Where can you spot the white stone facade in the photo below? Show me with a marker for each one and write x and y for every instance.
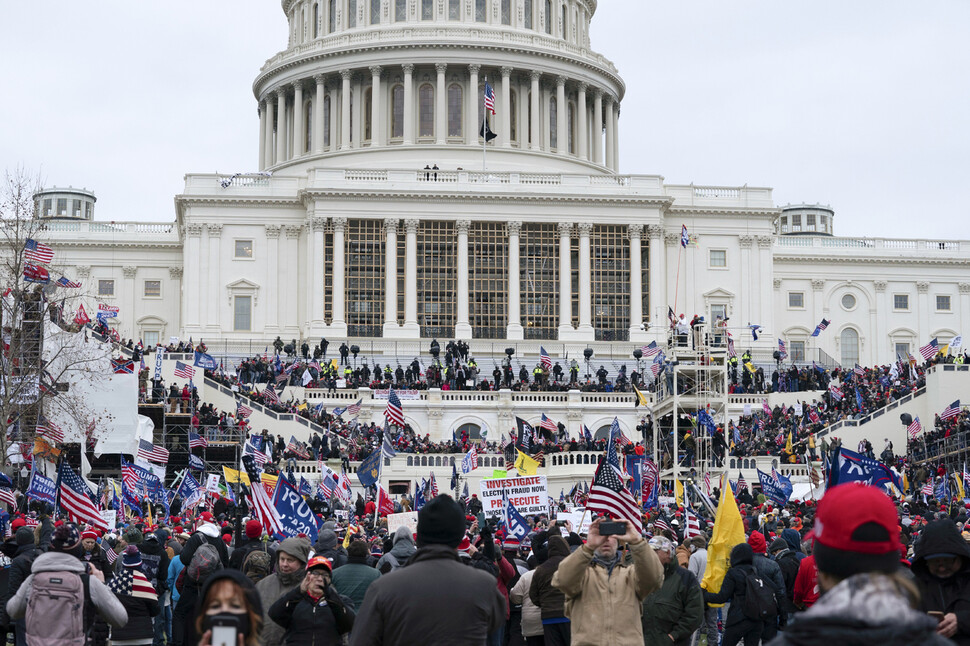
(347, 234)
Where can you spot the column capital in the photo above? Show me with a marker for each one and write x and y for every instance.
(507, 71)
(441, 68)
(129, 271)
(215, 230)
(922, 286)
(375, 70)
(346, 75)
(390, 224)
(582, 86)
(655, 231)
(535, 75)
(561, 81)
(321, 79)
(298, 86)
(777, 283)
(513, 228)
(585, 228)
(880, 285)
(671, 238)
(293, 230)
(634, 231)
(280, 92)
(819, 283)
(318, 223)
(765, 242)
(83, 271)
(339, 223)
(463, 226)
(193, 230)
(745, 241)
(273, 230)
(408, 68)
(598, 93)
(964, 288)
(175, 273)
(565, 229)
(411, 225)
(474, 68)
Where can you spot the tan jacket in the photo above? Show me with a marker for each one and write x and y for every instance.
(603, 608)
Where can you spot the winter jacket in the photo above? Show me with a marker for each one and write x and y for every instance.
(154, 563)
(239, 554)
(953, 593)
(698, 563)
(140, 612)
(865, 609)
(733, 588)
(467, 606)
(531, 615)
(207, 533)
(794, 540)
(603, 605)
(403, 550)
(316, 622)
(788, 564)
(277, 584)
(771, 573)
(676, 609)
(326, 545)
(104, 601)
(20, 568)
(806, 583)
(549, 598)
(353, 579)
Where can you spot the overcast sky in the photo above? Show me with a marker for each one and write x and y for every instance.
(861, 105)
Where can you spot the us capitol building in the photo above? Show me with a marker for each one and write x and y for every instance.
(378, 215)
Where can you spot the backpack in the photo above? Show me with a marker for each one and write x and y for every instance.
(256, 565)
(759, 599)
(59, 609)
(204, 562)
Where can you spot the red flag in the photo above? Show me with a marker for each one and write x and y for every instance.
(384, 503)
(81, 318)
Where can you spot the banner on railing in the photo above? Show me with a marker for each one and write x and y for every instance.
(402, 394)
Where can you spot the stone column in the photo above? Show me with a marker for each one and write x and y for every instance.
(273, 285)
(441, 106)
(585, 279)
(634, 232)
(536, 138)
(463, 328)
(345, 76)
(280, 125)
(922, 307)
(319, 226)
(505, 136)
(193, 255)
(408, 103)
(128, 299)
(268, 145)
(290, 280)
(562, 113)
(375, 106)
(598, 127)
(318, 124)
(616, 137)
(565, 279)
(338, 324)
(657, 300)
(472, 124)
(766, 273)
(334, 124)
(609, 134)
(746, 311)
(515, 330)
(213, 278)
(175, 275)
(582, 129)
(357, 120)
(390, 277)
(261, 160)
(298, 136)
(411, 327)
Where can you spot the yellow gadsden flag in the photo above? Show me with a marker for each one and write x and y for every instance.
(728, 532)
(233, 476)
(679, 493)
(639, 398)
(525, 465)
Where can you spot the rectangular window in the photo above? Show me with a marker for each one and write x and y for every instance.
(150, 338)
(375, 12)
(427, 9)
(900, 301)
(242, 313)
(942, 303)
(61, 206)
(718, 258)
(481, 13)
(528, 14)
(47, 206)
(506, 12)
(796, 300)
(77, 208)
(902, 351)
(244, 249)
(400, 10)
(797, 351)
(454, 9)
(153, 288)
(718, 310)
(106, 287)
(87, 211)
(351, 13)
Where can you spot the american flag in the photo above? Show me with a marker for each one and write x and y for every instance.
(110, 555)
(354, 409)
(257, 455)
(914, 428)
(951, 411)
(326, 488)
(38, 252)
(927, 489)
(731, 351)
(394, 412)
(269, 394)
(433, 486)
(70, 284)
(742, 483)
(782, 350)
(489, 98)
(624, 440)
(930, 349)
(184, 371)
(544, 358)
(297, 447)
(661, 524)
(259, 500)
(548, 424)
(607, 494)
(7, 496)
(50, 431)
(77, 500)
(657, 365)
(242, 410)
(651, 349)
(148, 451)
(196, 441)
(707, 480)
(858, 370)
(693, 524)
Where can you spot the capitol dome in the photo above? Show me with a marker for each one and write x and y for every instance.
(367, 84)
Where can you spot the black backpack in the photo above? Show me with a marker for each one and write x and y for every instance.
(759, 599)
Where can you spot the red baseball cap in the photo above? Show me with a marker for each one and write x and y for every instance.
(856, 531)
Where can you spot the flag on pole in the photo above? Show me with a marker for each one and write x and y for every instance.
(243, 411)
(914, 428)
(489, 98)
(951, 411)
(544, 358)
(38, 252)
(728, 532)
(184, 370)
(930, 349)
(394, 413)
(470, 461)
(152, 453)
(75, 498)
(607, 493)
(259, 501)
(821, 326)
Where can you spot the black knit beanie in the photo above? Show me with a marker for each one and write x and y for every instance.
(441, 522)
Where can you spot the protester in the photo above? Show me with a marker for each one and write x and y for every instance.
(291, 559)
(139, 598)
(941, 565)
(548, 597)
(586, 577)
(254, 541)
(402, 550)
(353, 579)
(229, 598)
(531, 622)
(314, 612)
(733, 590)
(676, 610)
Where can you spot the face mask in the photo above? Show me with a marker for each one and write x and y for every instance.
(242, 618)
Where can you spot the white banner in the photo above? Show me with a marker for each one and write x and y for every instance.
(159, 355)
(212, 482)
(403, 395)
(408, 519)
(110, 517)
(529, 495)
(580, 520)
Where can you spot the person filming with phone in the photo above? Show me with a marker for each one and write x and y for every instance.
(603, 590)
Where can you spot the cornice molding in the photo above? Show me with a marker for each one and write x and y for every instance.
(876, 260)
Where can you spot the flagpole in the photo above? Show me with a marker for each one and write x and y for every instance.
(680, 248)
(484, 129)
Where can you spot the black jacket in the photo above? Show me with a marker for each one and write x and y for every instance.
(734, 586)
(953, 593)
(317, 623)
(188, 551)
(239, 554)
(140, 612)
(788, 563)
(550, 599)
(20, 568)
(155, 562)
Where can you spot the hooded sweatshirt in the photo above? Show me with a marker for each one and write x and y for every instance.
(326, 545)
(402, 550)
(951, 594)
(278, 584)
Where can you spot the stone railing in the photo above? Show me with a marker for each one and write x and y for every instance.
(915, 246)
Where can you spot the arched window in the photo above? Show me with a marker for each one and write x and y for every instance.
(548, 25)
(474, 431)
(602, 433)
(316, 19)
(368, 111)
(427, 9)
(850, 347)
(565, 26)
(454, 110)
(481, 11)
(397, 111)
(528, 15)
(506, 12)
(513, 116)
(307, 127)
(351, 13)
(410, 461)
(571, 127)
(326, 121)
(331, 16)
(553, 123)
(426, 110)
(375, 12)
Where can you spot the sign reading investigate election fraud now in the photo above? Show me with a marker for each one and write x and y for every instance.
(528, 495)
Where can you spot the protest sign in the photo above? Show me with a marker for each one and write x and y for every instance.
(529, 495)
(110, 517)
(408, 519)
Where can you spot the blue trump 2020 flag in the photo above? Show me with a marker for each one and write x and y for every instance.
(517, 525)
(855, 467)
(204, 361)
(295, 515)
(41, 488)
(777, 490)
(370, 468)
